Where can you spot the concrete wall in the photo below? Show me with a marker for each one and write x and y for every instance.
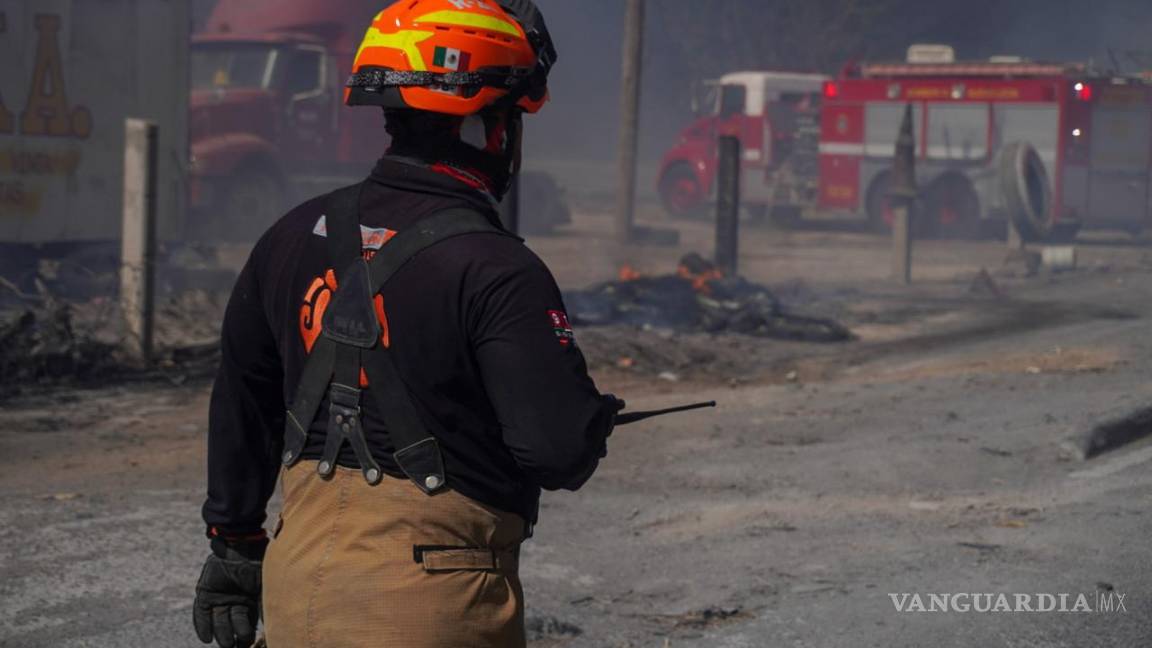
(72, 71)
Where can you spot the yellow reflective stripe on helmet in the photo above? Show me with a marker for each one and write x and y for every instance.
(464, 19)
(405, 41)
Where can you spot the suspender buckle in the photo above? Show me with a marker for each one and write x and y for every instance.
(344, 423)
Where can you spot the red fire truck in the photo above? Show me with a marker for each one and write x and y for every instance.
(776, 116)
(1053, 147)
(265, 120)
(268, 123)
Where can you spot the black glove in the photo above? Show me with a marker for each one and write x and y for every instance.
(613, 406)
(227, 606)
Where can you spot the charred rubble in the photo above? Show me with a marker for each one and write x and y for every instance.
(698, 298)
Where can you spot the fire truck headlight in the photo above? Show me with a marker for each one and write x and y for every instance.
(1076, 132)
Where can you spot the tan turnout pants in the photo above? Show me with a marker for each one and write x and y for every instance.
(342, 569)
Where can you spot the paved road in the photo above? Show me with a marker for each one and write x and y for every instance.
(786, 518)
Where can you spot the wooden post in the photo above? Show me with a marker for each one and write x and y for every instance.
(728, 204)
(901, 244)
(138, 242)
(629, 117)
(902, 196)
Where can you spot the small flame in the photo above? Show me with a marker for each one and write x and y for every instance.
(700, 280)
(628, 273)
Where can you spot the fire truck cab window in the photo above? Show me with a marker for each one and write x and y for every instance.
(957, 132)
(732, 100)
(231, 66)
(301, 72)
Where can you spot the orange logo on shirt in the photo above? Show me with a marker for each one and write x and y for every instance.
(316, 301)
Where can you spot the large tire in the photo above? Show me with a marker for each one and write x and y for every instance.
(253, 199)
(681, 192)
(543, 206)
(1026, 190)
(952, 207)
(877, 206)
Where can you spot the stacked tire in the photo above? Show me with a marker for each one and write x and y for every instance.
(1026, 191)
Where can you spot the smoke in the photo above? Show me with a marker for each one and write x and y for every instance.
(689, 41)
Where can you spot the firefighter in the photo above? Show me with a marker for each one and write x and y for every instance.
(402, 365)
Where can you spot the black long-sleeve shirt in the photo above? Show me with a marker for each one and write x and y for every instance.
(480, 338)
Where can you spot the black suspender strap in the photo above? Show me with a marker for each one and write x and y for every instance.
(417, 452)
(333, 368)
(350, 325)
(350, 341)
(429, 231)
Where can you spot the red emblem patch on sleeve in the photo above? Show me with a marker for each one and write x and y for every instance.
(561, 327)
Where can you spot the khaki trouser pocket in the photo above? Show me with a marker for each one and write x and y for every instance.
(440, 559)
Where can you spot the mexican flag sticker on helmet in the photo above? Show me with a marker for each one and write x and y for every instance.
(453, 59)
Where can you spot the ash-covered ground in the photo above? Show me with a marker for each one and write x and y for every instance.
(940, 451)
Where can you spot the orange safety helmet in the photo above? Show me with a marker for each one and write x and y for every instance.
(454, 57)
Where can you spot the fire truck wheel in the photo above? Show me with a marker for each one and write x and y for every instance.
(1026, 190)
(952, 208)
(253, 199)
(877, 207)
(756, 214)
(786, 216)
(543, 206)
(681, 193)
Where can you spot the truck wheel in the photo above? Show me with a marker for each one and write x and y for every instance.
(881, 216)
(1026, 190)
(681, 193)
(252, 201)
(952, 207)
(877, 206)
(786, 216)
(543, 206)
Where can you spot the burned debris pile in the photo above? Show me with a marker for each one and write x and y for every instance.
(699, 298)
(45, 340)
(41, 344)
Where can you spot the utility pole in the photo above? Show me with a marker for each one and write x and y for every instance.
(629, 117)
(728, 205)
(903, 198)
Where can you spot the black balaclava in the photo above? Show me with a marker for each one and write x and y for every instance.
(437, 140)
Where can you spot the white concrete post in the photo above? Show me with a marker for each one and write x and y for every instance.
(138, 241)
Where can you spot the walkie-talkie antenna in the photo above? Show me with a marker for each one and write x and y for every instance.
(627, 418)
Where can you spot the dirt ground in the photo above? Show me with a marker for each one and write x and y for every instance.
(940, 452)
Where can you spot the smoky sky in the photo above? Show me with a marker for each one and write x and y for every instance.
(582, 119)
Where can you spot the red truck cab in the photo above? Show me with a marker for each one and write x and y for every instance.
(776, 117)
(267, 126)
